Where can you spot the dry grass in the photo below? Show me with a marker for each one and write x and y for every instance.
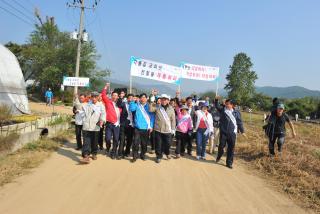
(297, 170)
(28, 157)
(6, 142)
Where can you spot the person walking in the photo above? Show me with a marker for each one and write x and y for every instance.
(192, 112)
(204, 129)
(113, 121)
(78, 104)
(93, 115)
(126, 127)
(143, 123)
(183, 130)
(48, 95)
(276, 129)
(230, 123)
(165, 124)
(100, 138)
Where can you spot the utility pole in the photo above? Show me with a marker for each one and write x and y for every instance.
(81, 38)
(79, 45)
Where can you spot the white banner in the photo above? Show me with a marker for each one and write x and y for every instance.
(154, 70)
(199, 72)
(76, 81)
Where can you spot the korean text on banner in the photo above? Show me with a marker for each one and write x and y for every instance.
(154, 70)
(76, 81)
(199, 72)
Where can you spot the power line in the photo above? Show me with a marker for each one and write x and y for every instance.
(19, 11)
(21, 19)
(22, 6)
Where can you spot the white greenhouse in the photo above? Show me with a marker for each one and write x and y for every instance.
(12, 85)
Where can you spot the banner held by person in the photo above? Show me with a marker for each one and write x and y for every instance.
(199, 72)
(154, 70)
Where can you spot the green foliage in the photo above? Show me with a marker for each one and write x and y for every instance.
(50, 54)
(260, 101)
(241, 79)
(307, 106)
(59, 120)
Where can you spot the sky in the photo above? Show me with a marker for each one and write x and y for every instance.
(282, 38)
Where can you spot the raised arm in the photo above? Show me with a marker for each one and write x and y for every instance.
(104, 96)
(217, 104)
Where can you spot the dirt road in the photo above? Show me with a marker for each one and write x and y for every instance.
(60, 185)
(43, 109)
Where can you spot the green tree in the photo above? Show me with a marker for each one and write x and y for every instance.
(50, 54)
(260, 101)
(241, 79)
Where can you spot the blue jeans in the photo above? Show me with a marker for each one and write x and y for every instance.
(202, 141)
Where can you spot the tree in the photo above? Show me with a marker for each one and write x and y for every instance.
(241, 79)
(260, 101)
(50, 54)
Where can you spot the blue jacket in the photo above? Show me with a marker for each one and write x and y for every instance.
(226, 125)
(139, 121)
(48, 94)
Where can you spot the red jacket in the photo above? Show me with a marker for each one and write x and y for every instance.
(111, 112)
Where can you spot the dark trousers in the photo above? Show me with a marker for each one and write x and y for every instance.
(279, 138)
(182, 139)
(152, 139)
(202, 141)
(112, 132)
(100, 139)
(90, 143)
(230, 140)
(162, 144)
(141, 138)
(126, 137)
(78, 136)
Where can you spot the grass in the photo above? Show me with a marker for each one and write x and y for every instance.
(30, 156)
(59, 120)
(6, 142)
(297, 170)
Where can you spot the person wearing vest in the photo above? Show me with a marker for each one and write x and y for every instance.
(126, 127)
(165, 124)
(277, 129)
(153, 98)
(230, 124)
(204, 129)
(93, 117)
(113, 121)
(78, 118)
(143, 123)
(183, 130)
(100, 138)
(192, 112)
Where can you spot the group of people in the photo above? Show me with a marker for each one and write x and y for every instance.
(131, 122)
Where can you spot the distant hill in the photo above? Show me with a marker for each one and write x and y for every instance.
(288, 92)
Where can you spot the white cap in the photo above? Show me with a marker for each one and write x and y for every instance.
(165, 96)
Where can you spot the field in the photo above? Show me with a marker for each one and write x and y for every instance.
(296, 170)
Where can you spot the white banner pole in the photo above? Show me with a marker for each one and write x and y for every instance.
(217, 87)
(130, 82)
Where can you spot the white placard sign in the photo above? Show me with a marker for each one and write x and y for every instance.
(199, 72)
(76, 81)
